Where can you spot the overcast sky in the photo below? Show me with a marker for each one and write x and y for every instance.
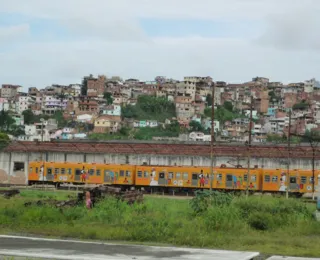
(44, 42)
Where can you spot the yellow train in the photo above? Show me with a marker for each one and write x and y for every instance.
(177, 178)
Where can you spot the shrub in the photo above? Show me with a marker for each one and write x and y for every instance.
(207, 198)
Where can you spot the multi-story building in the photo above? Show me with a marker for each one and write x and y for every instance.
(24, 103)
(96, 86)
(51, 104)
(10, 91)
(107, 124)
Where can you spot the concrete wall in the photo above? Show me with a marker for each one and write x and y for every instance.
(8, 160)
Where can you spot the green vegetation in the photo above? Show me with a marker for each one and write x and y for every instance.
(223, 113)
(150, 108)
(283, 139)
(8, 124)
(122, 135)
(196, 126)
(146, 133)
(4, 140)
(302, 105)
(30, 118)
(108, 97)
(265, 224)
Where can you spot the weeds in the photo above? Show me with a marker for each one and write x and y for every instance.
(269, 225)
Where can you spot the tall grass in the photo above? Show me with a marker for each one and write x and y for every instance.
(264, 224)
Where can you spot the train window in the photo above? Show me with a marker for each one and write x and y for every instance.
(69, 171)
(37, 169)
(178, 175)
(170, 176)
(253, 178)
(293, 180)
(30, 170)
(78, 172)
(121, 173)
(98, 172)
(303, 180)
(267, 178)
(63, 170)
(245, 177)
(91, 172)
(139, 174)
(146, 174)
(56, 170)
(219, 177)
(185, 176)
(311, 180)
(106, 173)
(128, 173)
(274, 178)
(49, 171)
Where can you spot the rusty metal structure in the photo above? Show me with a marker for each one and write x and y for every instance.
(157, 148)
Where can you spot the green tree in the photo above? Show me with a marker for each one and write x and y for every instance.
(6, 121)
(228, 105)
(196, 126)
(29, 117)
(58, 116)
(209, 100)
(108, 97)
(4, 140)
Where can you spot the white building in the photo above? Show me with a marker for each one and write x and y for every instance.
(199, 136)
(4, 104)
(23, 104)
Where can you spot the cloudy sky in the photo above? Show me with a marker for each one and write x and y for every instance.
(44, 42)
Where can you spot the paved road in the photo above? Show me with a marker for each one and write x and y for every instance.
(74, 250)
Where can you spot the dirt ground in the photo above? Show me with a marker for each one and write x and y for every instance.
(18, 177)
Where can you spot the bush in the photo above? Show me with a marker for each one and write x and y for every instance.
(204, 199)
(260, 221)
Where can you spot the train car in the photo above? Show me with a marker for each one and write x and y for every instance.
(173, 177)
(299, 181)
(237, 179)
(113, 174)
(35, 172)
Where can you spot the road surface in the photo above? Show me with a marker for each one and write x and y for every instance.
(70, 249)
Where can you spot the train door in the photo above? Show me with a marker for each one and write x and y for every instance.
(194, 181)
(49, 174)
(77, 175)
(162, 178)
(293, 183)
(229, 181)
(106, 176)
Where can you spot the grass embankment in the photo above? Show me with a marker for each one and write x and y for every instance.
(264, 224)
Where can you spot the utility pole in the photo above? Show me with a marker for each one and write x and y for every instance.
(212, 135)
(249, 146)
(288, 162)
